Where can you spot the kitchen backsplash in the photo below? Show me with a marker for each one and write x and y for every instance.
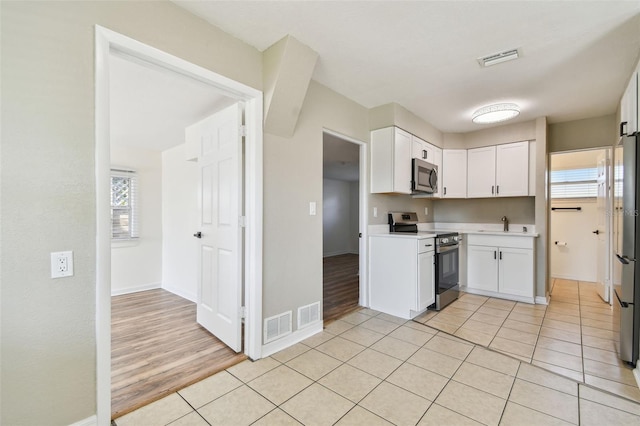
(386, 203)
(484, 210)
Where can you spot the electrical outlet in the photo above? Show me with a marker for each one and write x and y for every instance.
(375, 212)
(426, 211)
(312, 208)
(61, 264)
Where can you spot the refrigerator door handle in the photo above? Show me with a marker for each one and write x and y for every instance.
(622, 304)
(624, 259)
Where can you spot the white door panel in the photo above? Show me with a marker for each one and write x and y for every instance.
(220, 254)
(602, 230)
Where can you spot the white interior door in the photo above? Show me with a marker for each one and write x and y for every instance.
(220, 234)
(602, 229)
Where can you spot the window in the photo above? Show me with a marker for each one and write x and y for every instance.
(124, 205)
(574, 183)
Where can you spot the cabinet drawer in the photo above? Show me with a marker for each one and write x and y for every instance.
(500, 241)
(425, 245)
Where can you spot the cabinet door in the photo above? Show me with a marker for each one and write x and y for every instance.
(481, 172)
(437, 160)
(515, 273)
(512, 169)
(422, 149)
(482, 267)
(426, 281)
(629, 107)
(402, 162)
(453, 176)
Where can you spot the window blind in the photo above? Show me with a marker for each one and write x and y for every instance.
(124, 204)
(574, 183)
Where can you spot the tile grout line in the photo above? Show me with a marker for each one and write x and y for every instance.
(194, 410)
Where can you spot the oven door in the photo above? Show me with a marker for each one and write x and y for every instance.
(447, 268)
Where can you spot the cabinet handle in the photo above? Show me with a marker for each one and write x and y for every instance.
(497, 189)
(623, 131)
(425, 154)
(445, 190)
(492, 189)
(494, 254)
(428, 245)
(500, 255)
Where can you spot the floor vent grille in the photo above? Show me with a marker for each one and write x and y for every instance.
(277, 326)
(308, 315)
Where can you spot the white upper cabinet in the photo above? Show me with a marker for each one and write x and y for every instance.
(481, 172)
(422, 150)
(629, 107)
(501, 171)
(512, 169)
(437, 160)
(390, 161)
(453, 177)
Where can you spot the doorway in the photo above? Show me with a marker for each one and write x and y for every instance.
(108, 42)
(342, 212)
(158, 346)
(581, 224)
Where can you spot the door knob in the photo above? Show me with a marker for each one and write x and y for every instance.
(198, 234)
(597, 232)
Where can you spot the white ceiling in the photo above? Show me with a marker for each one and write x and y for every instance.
(151, 106)
(576, 55)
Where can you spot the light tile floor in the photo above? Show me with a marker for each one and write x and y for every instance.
(575, 336)
(373, 369)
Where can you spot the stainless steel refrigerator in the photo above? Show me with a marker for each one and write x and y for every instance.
(627, 245)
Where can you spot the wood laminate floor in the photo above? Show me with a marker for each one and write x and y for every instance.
(157, 348)
(341, 286)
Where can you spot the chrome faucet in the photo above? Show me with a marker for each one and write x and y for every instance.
(506, 223)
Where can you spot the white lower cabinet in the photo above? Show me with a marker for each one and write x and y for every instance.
(501, 266)
(426, 284)
(401, 275)
(482, 268)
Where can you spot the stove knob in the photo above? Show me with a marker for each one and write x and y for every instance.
(444, 240)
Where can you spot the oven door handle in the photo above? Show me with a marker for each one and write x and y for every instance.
(446, 249)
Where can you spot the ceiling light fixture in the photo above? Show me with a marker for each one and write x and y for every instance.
(495, 113)
(498, 58)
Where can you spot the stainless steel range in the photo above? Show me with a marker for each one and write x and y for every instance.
(447, 259)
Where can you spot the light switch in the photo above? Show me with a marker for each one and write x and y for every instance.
(426, 211)
(312, 208)
(375, 212)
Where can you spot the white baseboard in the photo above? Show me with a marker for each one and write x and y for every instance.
(542, 300)
(572, 277)
(291, 339)
(136, 289)
(497, 295)
(192, 297)
(89, 421)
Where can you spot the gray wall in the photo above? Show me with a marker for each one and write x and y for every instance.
(292, 178)
(339, 206)
(47, 75)
(580, 134)
(396, 115)
(486, 210)
(397, 202)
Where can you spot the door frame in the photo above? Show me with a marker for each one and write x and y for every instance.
(105, 41)
(362, 214)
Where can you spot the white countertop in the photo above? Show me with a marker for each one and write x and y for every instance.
(425, 230)
(416, 236)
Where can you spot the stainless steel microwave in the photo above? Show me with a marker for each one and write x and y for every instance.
(424, 177)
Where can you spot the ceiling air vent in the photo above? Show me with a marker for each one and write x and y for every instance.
(497, 58)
